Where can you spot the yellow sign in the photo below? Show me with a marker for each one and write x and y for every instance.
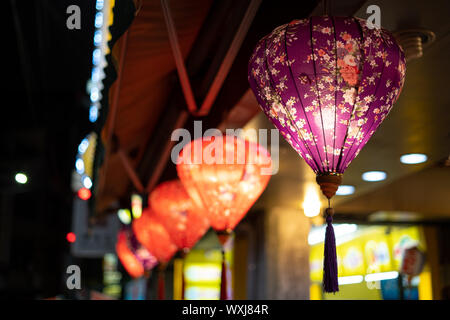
(371, 250)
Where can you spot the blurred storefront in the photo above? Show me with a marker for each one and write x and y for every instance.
(369, 263)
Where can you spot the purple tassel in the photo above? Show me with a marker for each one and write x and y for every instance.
(330, 270)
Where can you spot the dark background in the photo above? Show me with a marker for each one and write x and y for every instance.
(44, 116)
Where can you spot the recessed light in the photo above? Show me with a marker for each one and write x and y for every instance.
(374, 176)
(413, 158)
(345, 190)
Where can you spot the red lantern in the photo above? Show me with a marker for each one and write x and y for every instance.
(151, 233)
(185, 222)
(127, 258)
(226, 178)
(153, 236)
(135, 258)
(225, 175)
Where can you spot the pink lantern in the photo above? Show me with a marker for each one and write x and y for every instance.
(327, 83)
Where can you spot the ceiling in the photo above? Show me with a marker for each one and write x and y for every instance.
(150, 103)
(146, 82)
(419, 121)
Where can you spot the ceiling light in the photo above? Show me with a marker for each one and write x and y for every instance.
(374, 176)
(311, 204)
(413, 158)
(345, 190)
(21, 178)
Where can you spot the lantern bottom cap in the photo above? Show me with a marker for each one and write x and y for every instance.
(329, 183)
(224, 236)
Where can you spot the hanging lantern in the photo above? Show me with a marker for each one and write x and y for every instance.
(228, 180)
(327, 83)
(153, 236)
(225, 175)
(151, 233)
(136, 259)
(185, 222)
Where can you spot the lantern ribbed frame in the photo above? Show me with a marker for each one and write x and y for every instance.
(152, 234)
(185, 222)
(228, 186)
(327, 83)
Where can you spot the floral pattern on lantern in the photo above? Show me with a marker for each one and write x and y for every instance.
(185, 222)
(135, 258)
(151, 233)
(327, 83)
(228, 179)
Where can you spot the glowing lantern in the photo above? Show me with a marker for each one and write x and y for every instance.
(327, 83)
(184, 222)
(135, 258)
(151, 233)
(231, 177)
(225, 175)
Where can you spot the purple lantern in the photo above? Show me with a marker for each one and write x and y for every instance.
(135, 258)
(327, 83)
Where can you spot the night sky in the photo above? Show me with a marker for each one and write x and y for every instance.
(44, 117)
